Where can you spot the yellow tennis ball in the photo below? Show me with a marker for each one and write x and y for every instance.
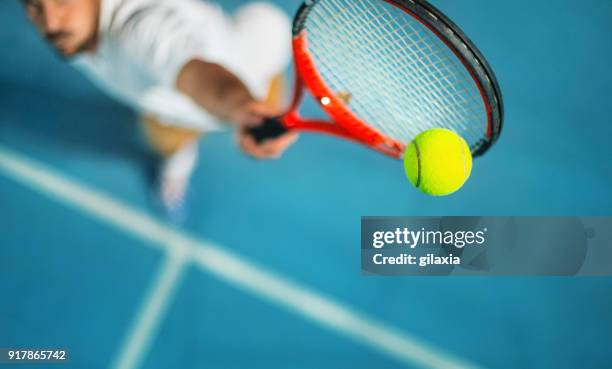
(438, 162)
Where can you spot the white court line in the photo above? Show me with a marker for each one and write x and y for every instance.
(228, 267)
(151, 313)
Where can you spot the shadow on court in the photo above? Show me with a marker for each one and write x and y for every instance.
(96, 128)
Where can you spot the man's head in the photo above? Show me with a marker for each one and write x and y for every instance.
(70, 26)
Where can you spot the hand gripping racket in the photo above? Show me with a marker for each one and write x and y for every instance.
(385, 71)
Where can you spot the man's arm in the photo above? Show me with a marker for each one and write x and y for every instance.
(222, 94)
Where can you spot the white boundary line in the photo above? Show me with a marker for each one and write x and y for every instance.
(151, 314)
(225, 266)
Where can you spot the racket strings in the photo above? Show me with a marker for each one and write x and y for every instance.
(424, 84)
(436, 69)
(361, 84)
(416, 88)
(402, 78)
(389, 43)
(417, 95)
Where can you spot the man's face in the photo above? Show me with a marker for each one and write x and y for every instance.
(70, 26)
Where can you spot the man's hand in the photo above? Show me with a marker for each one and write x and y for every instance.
(222, 94)
(252, 115)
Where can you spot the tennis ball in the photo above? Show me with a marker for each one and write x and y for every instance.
(438, 162)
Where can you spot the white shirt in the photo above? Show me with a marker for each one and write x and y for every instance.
(143, 46)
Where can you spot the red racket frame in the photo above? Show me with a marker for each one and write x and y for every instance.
(344, 123)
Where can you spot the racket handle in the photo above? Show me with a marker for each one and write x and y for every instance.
(271, 128)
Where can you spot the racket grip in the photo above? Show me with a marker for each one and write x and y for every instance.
(270, 129)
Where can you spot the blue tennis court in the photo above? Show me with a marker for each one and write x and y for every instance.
(266, 271)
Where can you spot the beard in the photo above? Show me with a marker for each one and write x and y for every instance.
(64, 48)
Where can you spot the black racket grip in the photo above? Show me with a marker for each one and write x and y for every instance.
(271, 128)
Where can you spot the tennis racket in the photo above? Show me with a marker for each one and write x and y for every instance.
(385, 71)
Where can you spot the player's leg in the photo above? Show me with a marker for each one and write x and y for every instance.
(178, 148)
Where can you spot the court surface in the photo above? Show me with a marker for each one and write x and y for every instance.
(265, 274)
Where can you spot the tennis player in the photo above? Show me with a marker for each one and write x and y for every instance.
(184, 65)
